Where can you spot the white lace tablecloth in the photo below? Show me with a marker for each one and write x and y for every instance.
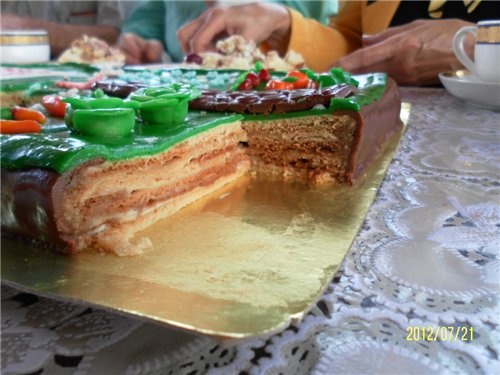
(427, 256)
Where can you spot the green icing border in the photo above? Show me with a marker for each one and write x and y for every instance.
(85, 68)
(58, 149)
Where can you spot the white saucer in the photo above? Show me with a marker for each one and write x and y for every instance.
(464, 85)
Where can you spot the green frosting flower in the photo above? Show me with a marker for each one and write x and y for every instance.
(100, 116)
(164, 105)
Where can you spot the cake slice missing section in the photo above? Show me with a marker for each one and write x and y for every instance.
(324, 147)
(316, 148)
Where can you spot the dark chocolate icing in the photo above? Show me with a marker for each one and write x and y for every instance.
(120, 89)
(267, 102)
(376, 125)
(27, 206)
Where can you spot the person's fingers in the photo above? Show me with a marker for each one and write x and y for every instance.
(129, 44)
(411, 70)
(138, 50)
(186, 32)
(366, 58)
(132, 60)
(215, 24)
(154, 50)
(369, 40)
(425, 71)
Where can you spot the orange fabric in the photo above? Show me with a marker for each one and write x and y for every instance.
(321, 45)
(378, 15)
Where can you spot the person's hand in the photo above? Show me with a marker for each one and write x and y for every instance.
(138, 50)
(256, 22)
(412, 54)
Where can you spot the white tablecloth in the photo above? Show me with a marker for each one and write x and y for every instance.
(427, 256)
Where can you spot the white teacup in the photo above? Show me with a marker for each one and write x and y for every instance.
(24, 46)
(486, 64)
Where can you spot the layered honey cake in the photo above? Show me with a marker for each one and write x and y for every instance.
(71, 191)
(74, 192)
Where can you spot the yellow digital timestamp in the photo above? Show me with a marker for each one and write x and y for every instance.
(444, 333)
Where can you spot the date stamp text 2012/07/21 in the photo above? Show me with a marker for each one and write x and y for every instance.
(441, 333)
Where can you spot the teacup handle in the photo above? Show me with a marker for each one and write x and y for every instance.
(458, 47)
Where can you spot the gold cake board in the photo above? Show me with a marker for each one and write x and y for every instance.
(245, 261)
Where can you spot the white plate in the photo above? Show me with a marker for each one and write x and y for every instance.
(464, 85)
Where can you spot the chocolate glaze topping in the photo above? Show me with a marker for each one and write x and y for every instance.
(28, 208)
(267, 102)
(120, 89)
